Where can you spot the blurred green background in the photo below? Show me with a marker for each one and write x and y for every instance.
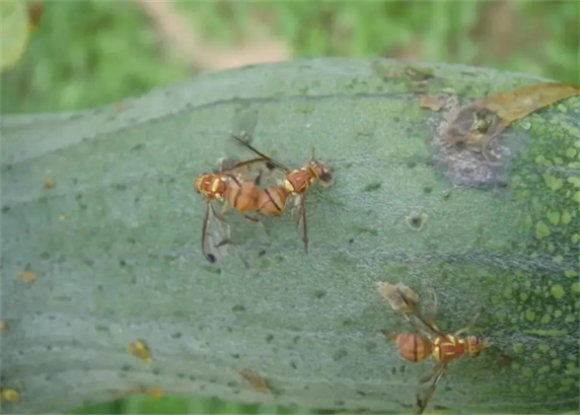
(89, 53)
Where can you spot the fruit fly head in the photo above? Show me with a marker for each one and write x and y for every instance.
(474, 345)
(210, 185)
(322, 172)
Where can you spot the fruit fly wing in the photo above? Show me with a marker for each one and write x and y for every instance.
(301, 221)
(215, 235)
(401, 298)
(427, 385)
(425, 329)
(262, 155)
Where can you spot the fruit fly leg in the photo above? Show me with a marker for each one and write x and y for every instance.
(430, 316)
(470, 324)
(300, 201)
(427, 385)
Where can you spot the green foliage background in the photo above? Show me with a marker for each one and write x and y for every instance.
(90, 53)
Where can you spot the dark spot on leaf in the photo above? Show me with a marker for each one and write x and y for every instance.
(137, 199)
(441, 408)
(269, 338)
(155, 372)
(348, 322)
(293, 365)
(319, 294)
(262, 252)
(138, 147)
(339, 403)
(236, 356)
(191, 377)
(238, 307)
(75, 180)
(370, 346)
(394, 370)
(78, 197)
(181, 375)
(402, 369)
(231, 384)
(361, 393)
(131, 240)
(176, 335)
(101, 327)
(371, 187)
(48, 378)
(229, 329)
(45, 255)
(171, 180)
(88, 262)
(125, 368)
(427, 189)
(122, 262)
(49, 347)
(211, 258)
(396, 119)
(82, 206)
(99, 287)
(339, 354)
(51, 317)
(296, 339)
(5, 209)
(411, 164)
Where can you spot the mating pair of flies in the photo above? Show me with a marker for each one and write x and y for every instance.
(231, 187)
(427, 340)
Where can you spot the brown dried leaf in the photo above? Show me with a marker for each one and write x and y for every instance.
(518, 103)
(27, 276)
(401, 298)
(432, 102)
(255, 381)
(139, 349)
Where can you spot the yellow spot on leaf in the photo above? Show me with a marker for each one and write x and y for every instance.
(49, 183)
(557, 291)
(542, 230)
(553, 183)
(10, 395)
(3, 325)
(27, 276)
(139, 349)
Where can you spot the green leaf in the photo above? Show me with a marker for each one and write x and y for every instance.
(13, 32)
(115, 246)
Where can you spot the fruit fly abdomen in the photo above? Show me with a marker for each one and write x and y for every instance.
(211, 185)
(448, 347)
(411, 346)
(242, 196)
(272, 200)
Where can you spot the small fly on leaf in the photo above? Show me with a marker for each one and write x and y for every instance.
(139, 349)
(296, 184)
(255, 381)
(428, 340)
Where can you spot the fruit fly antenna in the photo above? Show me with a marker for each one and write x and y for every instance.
(470, 324)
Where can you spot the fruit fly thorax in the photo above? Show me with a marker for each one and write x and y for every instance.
(298, 181)
(448, 347)
(474, 345)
